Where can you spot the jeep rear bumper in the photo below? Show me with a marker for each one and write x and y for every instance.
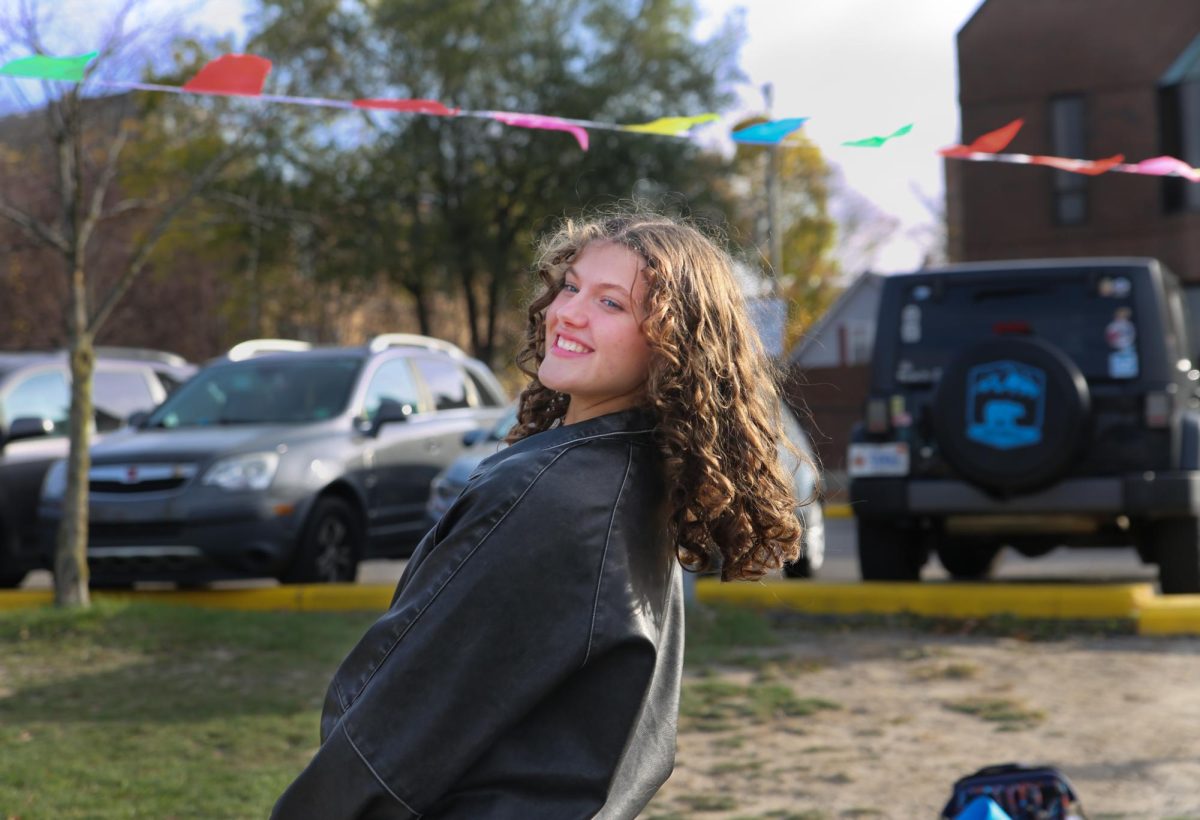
(1147, 495)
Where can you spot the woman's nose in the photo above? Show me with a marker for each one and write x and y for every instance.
(572, 313)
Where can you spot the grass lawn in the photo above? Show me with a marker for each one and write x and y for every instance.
(159, 711)
(145, 710)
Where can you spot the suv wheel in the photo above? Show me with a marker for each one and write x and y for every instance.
(887, 552)
(329, 548)
(9, 577)
(968, 560)
(1177, 546)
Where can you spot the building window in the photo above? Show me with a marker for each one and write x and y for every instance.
(1179, 115)
(858, 338)
(1068, 138)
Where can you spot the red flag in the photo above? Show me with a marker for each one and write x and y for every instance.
(1080, 166)
(412, 106)
(242, 74)
(990, 143)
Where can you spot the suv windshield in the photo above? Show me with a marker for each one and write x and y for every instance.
(1091, 321)
(269, 391)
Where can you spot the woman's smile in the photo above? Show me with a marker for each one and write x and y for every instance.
(565, 346)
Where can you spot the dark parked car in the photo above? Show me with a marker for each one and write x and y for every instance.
(1031, 404)
(35, 396)
(449, 484)
(295, 465)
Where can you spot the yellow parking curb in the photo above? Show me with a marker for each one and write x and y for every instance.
(947, 600)
(297, 598)
(1154, 614)
(25, 598)
(1170, 615)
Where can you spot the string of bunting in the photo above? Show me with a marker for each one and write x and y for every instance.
(245, 75)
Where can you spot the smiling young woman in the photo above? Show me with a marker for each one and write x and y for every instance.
(530, 663)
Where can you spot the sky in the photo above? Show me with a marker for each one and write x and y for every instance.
(857, 68)
(862, 68)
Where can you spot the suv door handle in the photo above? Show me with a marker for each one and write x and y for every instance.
(433, 446)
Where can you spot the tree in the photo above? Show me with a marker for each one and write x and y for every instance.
(87, 137)
(451, 204)
(808, 273)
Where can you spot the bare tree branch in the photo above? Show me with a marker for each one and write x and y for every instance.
(129, 205)
(198, 184)
(34, 228)
(263, 212)
(96, 206)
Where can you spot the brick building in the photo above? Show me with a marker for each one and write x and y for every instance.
(1091, 78)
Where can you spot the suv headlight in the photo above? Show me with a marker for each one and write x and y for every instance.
(249, 472)
(54, 485)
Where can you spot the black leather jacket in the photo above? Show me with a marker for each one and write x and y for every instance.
(529, 665)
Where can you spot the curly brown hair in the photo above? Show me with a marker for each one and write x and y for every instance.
(712, 389)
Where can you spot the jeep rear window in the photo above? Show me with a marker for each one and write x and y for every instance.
(1091, 321)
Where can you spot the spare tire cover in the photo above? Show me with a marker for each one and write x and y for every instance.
(1009, 414)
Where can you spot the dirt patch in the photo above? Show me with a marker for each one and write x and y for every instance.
(879, 723)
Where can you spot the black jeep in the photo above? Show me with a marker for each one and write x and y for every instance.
(1032, 404)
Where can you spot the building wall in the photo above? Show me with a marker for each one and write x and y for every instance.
(1014, 56)
(829, 402)
(849, 335)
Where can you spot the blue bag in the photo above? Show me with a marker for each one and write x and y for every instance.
(1023, 792)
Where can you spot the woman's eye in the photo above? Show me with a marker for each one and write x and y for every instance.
(609, 303)
(567, 286)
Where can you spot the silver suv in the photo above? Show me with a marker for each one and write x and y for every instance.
(35, 396)
(294, 464)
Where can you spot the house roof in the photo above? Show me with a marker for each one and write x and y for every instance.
(1186, 66)
(830, 318)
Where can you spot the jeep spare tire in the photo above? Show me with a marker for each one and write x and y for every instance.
(1010, 414)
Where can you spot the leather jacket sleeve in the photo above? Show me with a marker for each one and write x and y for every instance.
(489, 621)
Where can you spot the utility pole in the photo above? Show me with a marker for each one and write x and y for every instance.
(774, 235)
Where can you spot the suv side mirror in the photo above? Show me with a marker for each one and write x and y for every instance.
(389, 411)
(29, 427)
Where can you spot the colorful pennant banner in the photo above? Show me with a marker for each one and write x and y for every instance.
(672, 126)
(242, 75)
(543, 122)
(988, 148)
(245, 75)
(768, 133)
(877, 142)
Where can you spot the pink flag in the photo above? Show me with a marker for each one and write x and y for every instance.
(543, 122)
(240, 74)
(1167, 166)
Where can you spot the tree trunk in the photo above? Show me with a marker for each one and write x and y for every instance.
(70, 553)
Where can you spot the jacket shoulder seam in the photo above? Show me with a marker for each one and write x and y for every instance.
(615, 434)
(604, 556)
(375, 774)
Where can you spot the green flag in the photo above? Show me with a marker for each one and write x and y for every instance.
(41, 67)
(875, 142)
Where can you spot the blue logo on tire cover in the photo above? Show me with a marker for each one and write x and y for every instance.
(1006, 404)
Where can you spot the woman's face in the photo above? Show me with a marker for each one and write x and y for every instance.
(595, 350)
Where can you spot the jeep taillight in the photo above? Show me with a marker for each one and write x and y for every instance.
(1158, 409)
(1017, 328)
(877, 415)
